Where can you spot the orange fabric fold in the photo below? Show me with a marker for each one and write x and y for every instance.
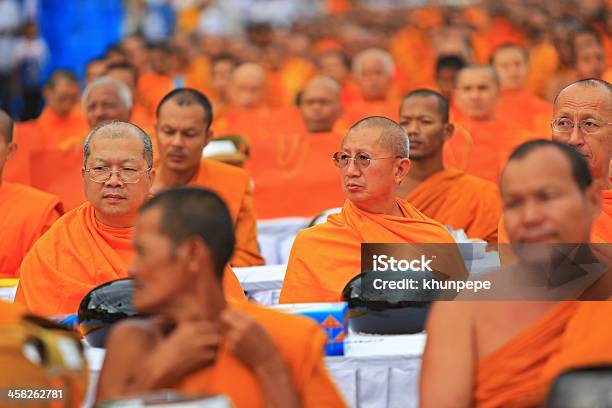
(526, 110)
(234, 186)
(457, 199)
(77, 254)
(28, 213)
(9, 313)
(324, 258)
(300, 343)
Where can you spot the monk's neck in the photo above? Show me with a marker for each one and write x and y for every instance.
(391, 207)
(420, 170)
(125, 221)
(169, 178)
(204, 301)
(604, 183)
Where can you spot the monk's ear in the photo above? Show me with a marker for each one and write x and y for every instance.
(401, 170)
(11, 150)
(209, 136)
(449, 129)
(196, 254)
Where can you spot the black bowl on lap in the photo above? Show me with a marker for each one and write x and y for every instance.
(388, 311)
(102, 307)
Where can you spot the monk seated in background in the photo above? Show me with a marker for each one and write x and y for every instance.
(128, 74)
(373, 162)
(184, 117)
(506, 353)
(492, 138)
(298, 158)
(26, 213)
(335, 64)
(91, 244)
(447, 195)
(373, 71)
(197, 341)
(517, 103)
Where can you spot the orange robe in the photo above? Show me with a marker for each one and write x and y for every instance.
(297, 161)
(52, 131)
(543, 62)
(300, 343)
(520, 373)
(77, 254)
(492, 143)
(526, 110)
(153, 87)
(285, 83)
(362, 109)
(324, 258)
(9, 313)
(28, 213)
(457, 199)
(234, 186)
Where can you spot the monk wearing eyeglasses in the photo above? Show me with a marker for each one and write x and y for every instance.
(91, 244)
(373, 162)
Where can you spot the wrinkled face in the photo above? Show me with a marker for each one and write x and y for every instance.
(420, 117)
(590, 61)
(247, 91)
(542, 202)
(446, 79)
(116, 203)
(181, 136)
(62, 98)
(511, 66)
(578, 103)
(158, 269)
(320, 108)
(222, 75)
(477, 94)
(333, 66)
(103, 104)
(368, 186)
(373, 79)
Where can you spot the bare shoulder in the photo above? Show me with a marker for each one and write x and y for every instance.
(146, 331)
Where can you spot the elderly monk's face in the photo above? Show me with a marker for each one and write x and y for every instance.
(373, 79)
(115, 201)
(576, 104)
(477, 94)
(157, 269)
(511, 66)
(367, 187)
(320, 108)
(420, 117)
(103, 104)
(62, 98)
(541, 201)
(181, 136)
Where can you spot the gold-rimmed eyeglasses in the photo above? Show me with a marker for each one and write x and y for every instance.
(590, 126)
(101, 174)
(361, 160)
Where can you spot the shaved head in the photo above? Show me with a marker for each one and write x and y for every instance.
(249, 71)
(6, 127)
(320, 104)
(588, 83)
(393, 137)
(477, 91)
(247, 86)
(118, 130)
(321, 81)
(479, 69)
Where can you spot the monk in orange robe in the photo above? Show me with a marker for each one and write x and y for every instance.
(492, 138)
(9, 313)
(128, 74)
(335, 64)
(373, 162)
(447, 195)
(373, 72)
(507, 353)
(28, 213)
(91, 244)
(197, 341)
(517, 104)
(153, 84)
(299, 158)
(183, 130)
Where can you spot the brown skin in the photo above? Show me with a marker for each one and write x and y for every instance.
(320, 105)
(373, 80)
(103, 104)
(420, 117)
(512, 67)
(539, 197)
(247, 87)
(477, 93)
(62, 97)
(181, 136)
(7, 150)
(178, 285)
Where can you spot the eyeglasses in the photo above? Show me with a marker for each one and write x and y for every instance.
(565, 125)
(362, 160)
(126, 175)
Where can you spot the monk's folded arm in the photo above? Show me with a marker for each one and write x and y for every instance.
(449, 359)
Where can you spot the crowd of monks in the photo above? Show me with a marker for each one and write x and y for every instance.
(410, 124)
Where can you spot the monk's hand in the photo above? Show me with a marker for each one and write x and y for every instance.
(252, 345)
(192, 345)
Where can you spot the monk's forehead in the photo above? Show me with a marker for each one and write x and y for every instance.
(420, 104)
(103, 89)
(476, 75)
(510, 52)
(576, 96)
(320, 88)
(117, 133)
(542, 166)
(363, 138)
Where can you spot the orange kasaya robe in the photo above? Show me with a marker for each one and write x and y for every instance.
(153, 87)
(525, 110)
(457, 199)
(27, 214)
(500, 32)
(362, 109)
(520, 373)
(142, 117)
(53, 131)
(285, 83)
(234, 186)
(299, 162)
(419, 71)
(246, 122)
(300, 343)
(77, 254)
(324, 258)
(492, 142)
(10, 313)
(543, 63)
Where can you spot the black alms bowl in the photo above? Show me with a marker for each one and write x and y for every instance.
(387, 311)
(102, 307)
